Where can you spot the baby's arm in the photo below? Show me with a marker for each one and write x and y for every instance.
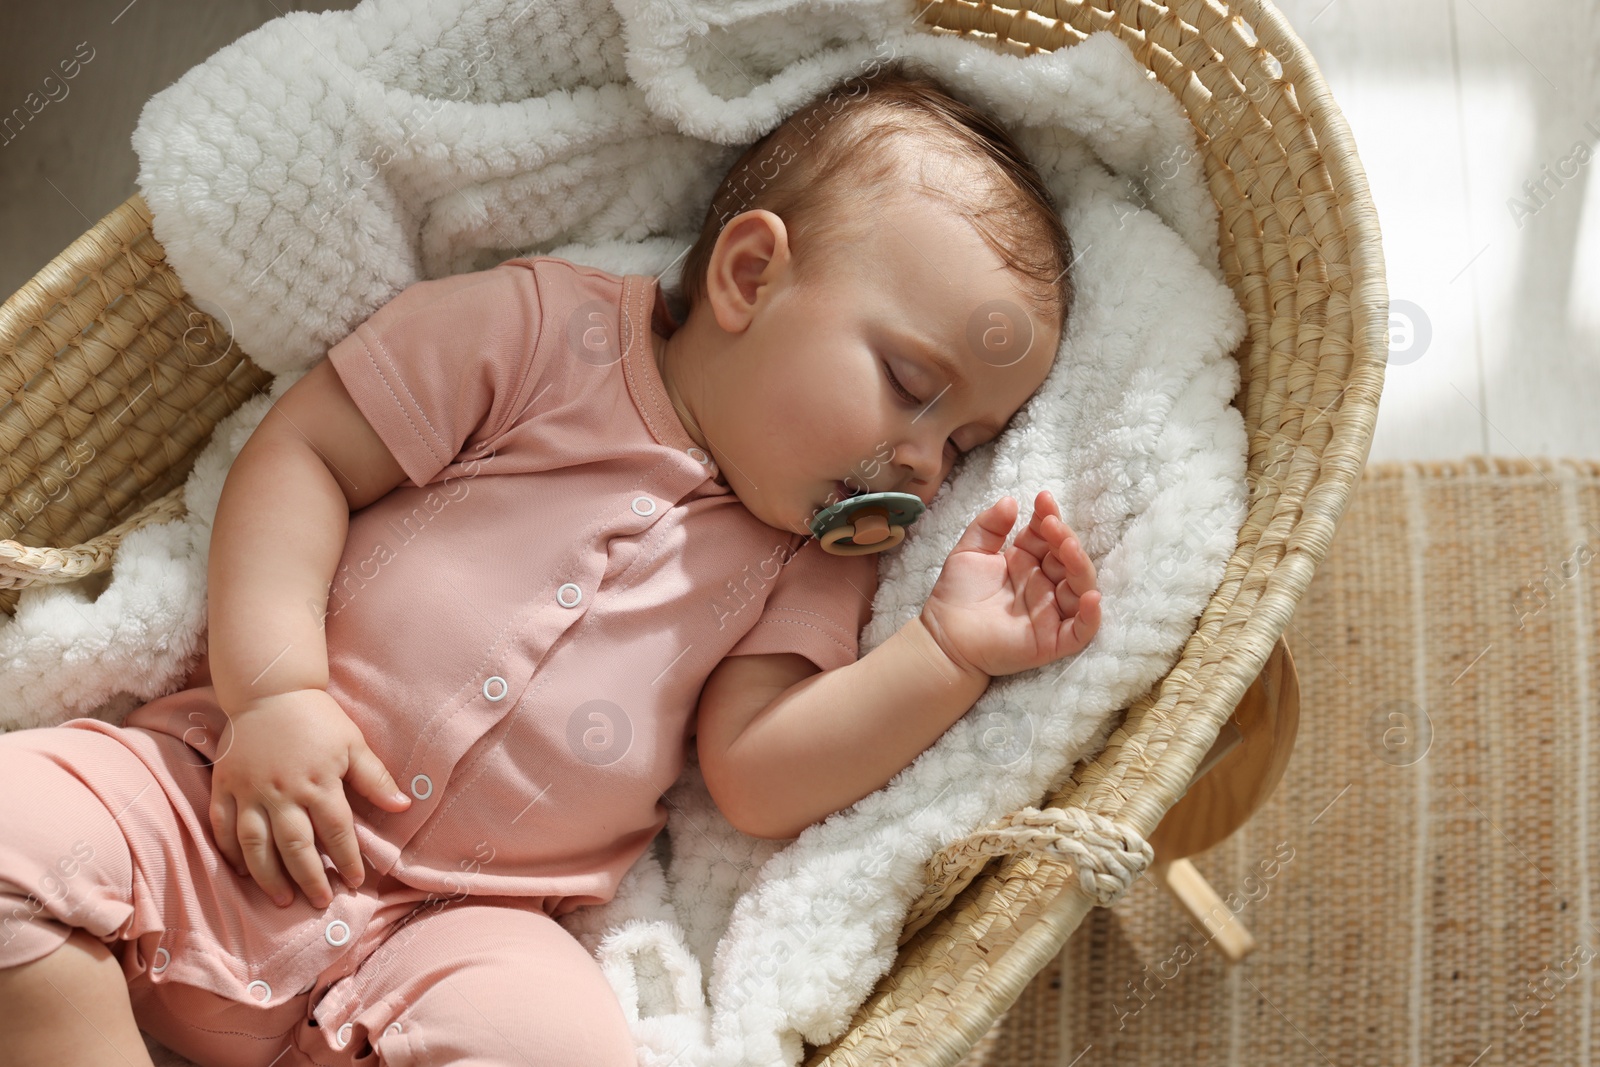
(279, 533)
(782, 745)
(277, 538)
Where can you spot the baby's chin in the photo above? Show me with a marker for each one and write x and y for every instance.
(792, 515)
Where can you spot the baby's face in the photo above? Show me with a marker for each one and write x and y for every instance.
(801, 384)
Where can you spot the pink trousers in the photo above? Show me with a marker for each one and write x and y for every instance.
(106, 828)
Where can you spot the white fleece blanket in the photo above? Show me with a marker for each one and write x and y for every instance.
(303, 175)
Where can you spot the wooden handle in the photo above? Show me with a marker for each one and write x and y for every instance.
(1201, 901)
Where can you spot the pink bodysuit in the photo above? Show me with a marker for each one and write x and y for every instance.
(521, 631)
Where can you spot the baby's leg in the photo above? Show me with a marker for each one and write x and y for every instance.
(69, 1007)
(474, 983)
(63, 994)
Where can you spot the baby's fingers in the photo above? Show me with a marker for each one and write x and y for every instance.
(224, 816)
(1077, 569)
(1083, 626)
(291, 826)
(1037, 542)
(336, 828)
(369, 777)
(260, 856)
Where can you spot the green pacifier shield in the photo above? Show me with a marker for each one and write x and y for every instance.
(883, 516)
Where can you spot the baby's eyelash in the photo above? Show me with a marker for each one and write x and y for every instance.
(903, 392)
(898, 387)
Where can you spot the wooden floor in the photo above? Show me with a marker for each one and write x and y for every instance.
(1455, 104)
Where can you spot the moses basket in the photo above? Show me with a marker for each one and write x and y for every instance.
(111, 382)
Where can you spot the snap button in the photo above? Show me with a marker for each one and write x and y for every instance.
(344, 1035)
(266, 990)
(392, 1028)
(344, 932)
(495, 682)
(699, 454)
(163, 957)
(562, 594)
(422, 787)
(643, 505)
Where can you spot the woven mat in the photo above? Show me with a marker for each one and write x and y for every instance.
(1422, 884)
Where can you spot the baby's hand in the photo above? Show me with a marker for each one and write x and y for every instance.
(1004, 613)
(282, 772)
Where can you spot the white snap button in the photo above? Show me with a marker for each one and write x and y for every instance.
(562, 595)
(495, 688)
(266, 990)
(700, 455)
(422, 787)
(344, 1035)
(163, 957)
(392, 1028)
(338, 932)
(643, 505)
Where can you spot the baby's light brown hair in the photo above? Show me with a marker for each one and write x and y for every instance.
(821, 170)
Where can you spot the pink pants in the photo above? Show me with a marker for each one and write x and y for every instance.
(94, 836)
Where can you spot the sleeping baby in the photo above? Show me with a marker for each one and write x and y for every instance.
(496, 563)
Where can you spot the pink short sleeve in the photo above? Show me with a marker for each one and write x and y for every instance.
(817, 608)
(447, 360)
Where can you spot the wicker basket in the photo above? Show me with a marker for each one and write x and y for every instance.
(114, 381)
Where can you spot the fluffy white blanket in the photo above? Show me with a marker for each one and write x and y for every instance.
(303, 175)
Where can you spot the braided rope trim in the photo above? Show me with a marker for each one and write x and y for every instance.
(26, 565)
(1107, 856)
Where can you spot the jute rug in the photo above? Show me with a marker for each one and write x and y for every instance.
(1422, 884)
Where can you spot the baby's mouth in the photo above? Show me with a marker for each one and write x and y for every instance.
(840, 492)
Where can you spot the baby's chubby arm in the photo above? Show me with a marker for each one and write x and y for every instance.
(783, 745)
(276, 540)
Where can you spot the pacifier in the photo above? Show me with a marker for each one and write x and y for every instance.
(870, 522)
